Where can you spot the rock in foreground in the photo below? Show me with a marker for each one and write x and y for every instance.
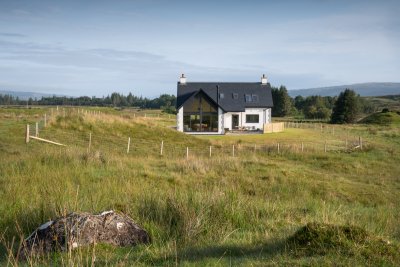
(82, 229)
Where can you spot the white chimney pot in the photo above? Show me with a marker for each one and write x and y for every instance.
(182, 79)
(264, 79)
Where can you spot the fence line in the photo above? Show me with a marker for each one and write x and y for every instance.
(129, 145)
(147, 147)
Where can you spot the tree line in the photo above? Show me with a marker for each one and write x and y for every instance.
(339, 109)
(344, 108)
(165, 102)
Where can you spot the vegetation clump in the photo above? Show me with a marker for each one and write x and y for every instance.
(348, 240)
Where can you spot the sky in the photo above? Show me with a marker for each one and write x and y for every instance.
(98, 47)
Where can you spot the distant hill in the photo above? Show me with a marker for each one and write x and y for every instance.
(26, 95)
(364, 89)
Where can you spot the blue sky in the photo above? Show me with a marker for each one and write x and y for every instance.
(98, 47)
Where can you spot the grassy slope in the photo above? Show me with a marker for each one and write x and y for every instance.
(206, 211)
(382, 118)
(380, 102)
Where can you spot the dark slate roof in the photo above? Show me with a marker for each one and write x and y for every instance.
(228, 103)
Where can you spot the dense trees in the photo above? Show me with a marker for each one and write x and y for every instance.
(165, 101)
(346, 107)
(9, 100)
(283, 104)
(314, 107)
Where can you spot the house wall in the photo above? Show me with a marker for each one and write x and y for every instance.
(264, 117)
(225, 119)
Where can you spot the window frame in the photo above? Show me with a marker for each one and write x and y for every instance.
(248, 116)
(248, 98)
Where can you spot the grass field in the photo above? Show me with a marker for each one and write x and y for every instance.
(247, 209)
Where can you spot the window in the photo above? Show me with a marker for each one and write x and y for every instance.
(221, 95)
(235, 96)
(254, 98)
(247, 98)
(200, 115)
(252, 118)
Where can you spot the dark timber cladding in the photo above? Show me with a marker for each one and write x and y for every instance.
(233, 97)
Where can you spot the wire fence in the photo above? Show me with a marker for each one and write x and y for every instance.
(85, 141)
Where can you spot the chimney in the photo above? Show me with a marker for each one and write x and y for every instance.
(263, 79)
(182, 79)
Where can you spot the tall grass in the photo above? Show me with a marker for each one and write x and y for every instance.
(217, 210)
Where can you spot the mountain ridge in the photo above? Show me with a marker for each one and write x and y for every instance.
(25, 95)
(363, 89)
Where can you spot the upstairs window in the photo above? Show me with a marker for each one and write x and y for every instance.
(235, 96)
(254, 98)
(248, 98)
(221, 96)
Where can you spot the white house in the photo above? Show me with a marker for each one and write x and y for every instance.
(215, 107)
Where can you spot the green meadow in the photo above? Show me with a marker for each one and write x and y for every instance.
(328, 203)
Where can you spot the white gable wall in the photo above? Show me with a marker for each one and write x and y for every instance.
(179, 119)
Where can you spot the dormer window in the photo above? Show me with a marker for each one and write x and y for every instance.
(221, 96)
(254, 98)
(248, 98)
(235, 96)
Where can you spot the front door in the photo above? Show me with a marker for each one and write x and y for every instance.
(235, 122)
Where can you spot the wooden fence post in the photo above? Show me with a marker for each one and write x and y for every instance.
(278, 148)
(129, 143)
(187, 152)
(302, 147)
(45, 120)
(255, 148)
(346, 144)
(90, 142)
(162, 147)
(210, 151)
(325, 146)
(27, 134)
(360, 142)
(233, 150)
(37, 130)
